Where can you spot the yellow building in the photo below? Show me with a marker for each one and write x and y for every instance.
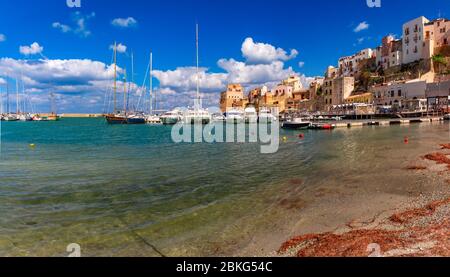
(232, 97)
(363, 98)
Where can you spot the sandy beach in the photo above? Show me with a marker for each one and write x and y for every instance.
(381, 225)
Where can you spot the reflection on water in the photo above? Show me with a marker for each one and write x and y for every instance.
(128, 190)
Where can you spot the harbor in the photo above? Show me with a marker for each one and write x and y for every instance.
(145, 189)
(173, 131)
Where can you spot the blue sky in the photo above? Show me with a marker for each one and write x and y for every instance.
(319, 32)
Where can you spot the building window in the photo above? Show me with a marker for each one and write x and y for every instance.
(392, 93)
(399, 93)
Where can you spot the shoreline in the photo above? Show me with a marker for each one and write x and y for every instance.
(418, 226)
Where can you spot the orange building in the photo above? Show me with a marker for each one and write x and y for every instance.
(233, 97)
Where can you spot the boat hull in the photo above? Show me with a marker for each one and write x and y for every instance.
(169, 120)
(114, 119)
(295, 125)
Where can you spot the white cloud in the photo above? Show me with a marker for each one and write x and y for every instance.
(264, 53)
(2, 81)
(80, 25)
(62, 27)
(185, 78)
(124, 22)
(301, 64)
(76, 82)
(361, 26)
(2, 38)
(33, 49)
(121, 48)
(248, 74)
(264, 65)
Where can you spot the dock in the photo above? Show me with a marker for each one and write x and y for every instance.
(379, 122)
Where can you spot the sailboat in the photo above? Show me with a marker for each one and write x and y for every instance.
(23, 116)
(121, 117)
(152, 118)
(53, 116)
(9, 116)
(197, 115)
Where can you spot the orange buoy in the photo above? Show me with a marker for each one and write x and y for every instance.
(406, 140)
(301, 136)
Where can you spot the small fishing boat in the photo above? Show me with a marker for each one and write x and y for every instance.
(321, 126)
(53, 117)
(296, 123)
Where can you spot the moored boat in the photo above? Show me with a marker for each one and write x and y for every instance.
(250, 115)
(234, 116)
(266, 116)
(296, 123)
(171, 117)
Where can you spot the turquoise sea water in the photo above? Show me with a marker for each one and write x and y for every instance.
(130, 191)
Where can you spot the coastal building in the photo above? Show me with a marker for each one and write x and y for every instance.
(396, 94)
(438, 96)
(327, 93)
(350, 66)
(294, 82)
(390, 53)
(233, 97)
(314, 101)
(255, 96)
(360, 98)
(343, 87)
(438, 31)
(413, 40)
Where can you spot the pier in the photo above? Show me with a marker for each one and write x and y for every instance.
(377, 122)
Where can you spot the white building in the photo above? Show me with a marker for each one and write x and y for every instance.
(399, 93)
(390, 53)
(413, 39)
(349, 66)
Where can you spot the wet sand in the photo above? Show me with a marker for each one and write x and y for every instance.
(415, 223)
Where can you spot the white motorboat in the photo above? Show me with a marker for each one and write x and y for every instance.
(266, 116)
(250, 115)
(197, 116)
(25, 117)
(296, 123)
(171, 117)
(218, 117)
(234, 116)
(11, 117)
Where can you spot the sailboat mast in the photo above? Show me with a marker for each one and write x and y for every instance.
(130, 85)
(7, 95)
(115, 77)
(125, 92)
(151, 83)
(198, 77)
(17, 97)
